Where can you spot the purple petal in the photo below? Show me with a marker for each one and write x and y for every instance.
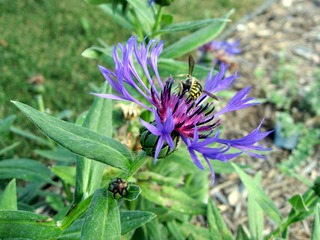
(158, 149)
(154, 130)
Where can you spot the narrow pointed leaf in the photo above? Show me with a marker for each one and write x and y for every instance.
(75, 212)
(8, 198)
(58, 154)
(173, 67)
(187, 26)
(316, 224)
(194, 40)
(25, 169)
(217, 227)
(130, 220)
(298, 204)
(117, 16)
(97, 2)
(9, 148)
(27, 225)
(138, 162)
(89, 173)
(172, 198)
(102, 219)
(175, 230)
(29, 135)
(134, 192)
(241, 234)
(255, 215)
(158, 178)
(65, 173)
(5, 125)
(199, 233)
(79, 140)
(144, 15)
(256, 191)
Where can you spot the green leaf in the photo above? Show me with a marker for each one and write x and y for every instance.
(174, 230)
(73, 232)
(55, 201)
(8, 199)
(316, 224)
(5, 125)
(241, 234)
(65, 173)
(144, 15)
(172, 198)
(138, 162)
(217, 227)
(169, 67)
(130, 220)
(29, 135)
(256, 191)
(187, 26)
(166, 19)
(152, 230)
(117, 16)
(255, 215)
(79, 140)
(158, 178)
(9, 148)
(25, 169)
(134, 192)
(89, 173)
(97, 2)
(59, 154)
(27, 225)
(298, 204)
(102, 220)
(195, 40)
(75, 212)
(182, 157)
(198, 233)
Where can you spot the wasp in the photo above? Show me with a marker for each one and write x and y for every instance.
(192, 85)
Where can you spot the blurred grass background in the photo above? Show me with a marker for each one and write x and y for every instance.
(47, 37)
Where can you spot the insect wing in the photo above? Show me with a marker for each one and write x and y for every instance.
(191, 65)
(211, 95)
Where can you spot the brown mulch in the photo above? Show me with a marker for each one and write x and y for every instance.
(292, 28)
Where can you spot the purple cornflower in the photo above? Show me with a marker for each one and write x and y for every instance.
(221, 50)
(136, 78)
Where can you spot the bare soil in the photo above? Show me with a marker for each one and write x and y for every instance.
(290, 28)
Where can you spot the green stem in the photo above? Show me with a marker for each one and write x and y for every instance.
(75, 212)
(66, 188)
(40, 103)
(156, 25)
(137, 26)
(42, 109)
(310, 199)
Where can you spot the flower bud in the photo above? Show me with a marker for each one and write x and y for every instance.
(149, 142)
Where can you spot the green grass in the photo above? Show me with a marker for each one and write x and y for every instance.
(47, 37)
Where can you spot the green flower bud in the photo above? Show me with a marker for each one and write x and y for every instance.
(149, 143)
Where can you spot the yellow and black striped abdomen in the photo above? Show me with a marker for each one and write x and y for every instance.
(195, 89)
